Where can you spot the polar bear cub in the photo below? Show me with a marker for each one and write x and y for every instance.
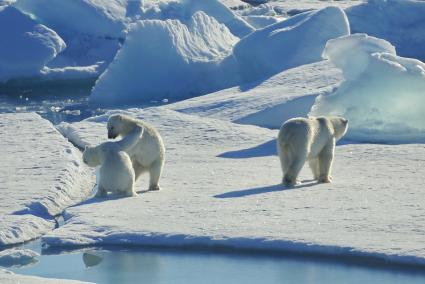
(311, 139)
(116, 170)
(149, 152)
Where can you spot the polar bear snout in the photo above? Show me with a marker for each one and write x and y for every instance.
(112, 135)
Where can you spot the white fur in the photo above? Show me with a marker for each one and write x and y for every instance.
(311, 139)
(148, 154)
(116, 170)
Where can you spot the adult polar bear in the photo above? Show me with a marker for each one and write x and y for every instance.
(148, 154)
(311, 139)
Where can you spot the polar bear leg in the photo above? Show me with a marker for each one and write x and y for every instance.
(155, 173)
(284, 158)
(101, 191)
(314, 166)
(297, 155)
(129, 191)
(326, 157)
(138, 169)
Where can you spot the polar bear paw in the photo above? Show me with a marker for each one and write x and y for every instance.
(154, 188)
(288, 181)
(325, 179)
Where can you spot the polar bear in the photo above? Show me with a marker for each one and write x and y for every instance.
(311, 139)
(148, 154)
(116, 170)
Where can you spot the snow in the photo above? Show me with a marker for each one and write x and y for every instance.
(26, 45)
(261, 21)
(270, 102)
(190, 58)
(93, 17)
(44, 175)
(17, 257)
(382, 95)
(198, 57)
(102, 24)
(92, 29)
(287, 44)
(400, 22)
(70, 73)
(183, 10)
(232, 196)
(8, 277)
(292, 7)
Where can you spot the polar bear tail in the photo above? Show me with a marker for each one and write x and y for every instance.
(130, 140)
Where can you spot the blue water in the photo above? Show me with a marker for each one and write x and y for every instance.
(156, 265)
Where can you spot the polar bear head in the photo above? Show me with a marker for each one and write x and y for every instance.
(91, 157)
(119, 124)
(340, 126)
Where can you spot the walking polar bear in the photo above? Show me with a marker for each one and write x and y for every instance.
(116, 172)
(311, 139)
(149, 152)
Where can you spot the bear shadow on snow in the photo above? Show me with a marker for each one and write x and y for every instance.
(265, 149)
(265, 189)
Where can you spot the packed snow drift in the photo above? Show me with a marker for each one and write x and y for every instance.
(162, 59)
(26, 46)
(382, 95)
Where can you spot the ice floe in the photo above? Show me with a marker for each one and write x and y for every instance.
(44, 175)
(8, 277)
(221, 188)
(17, 257)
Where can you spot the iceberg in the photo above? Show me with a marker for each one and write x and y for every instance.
(44, 175)
(168, 59)
(287, 44)
(26, 46)
(401, 22)
(382, 95)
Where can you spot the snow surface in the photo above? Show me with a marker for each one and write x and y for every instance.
(176, 61)
(383, 94)
(8, 277)
(292, 7)
(221, 188)
(92, 29)
(270, 102)
(102, 25)
(26, 45)
(42, 174)
(17, 257)
(291, 43)
(183, 10)
(401, 22)
(94, 17)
